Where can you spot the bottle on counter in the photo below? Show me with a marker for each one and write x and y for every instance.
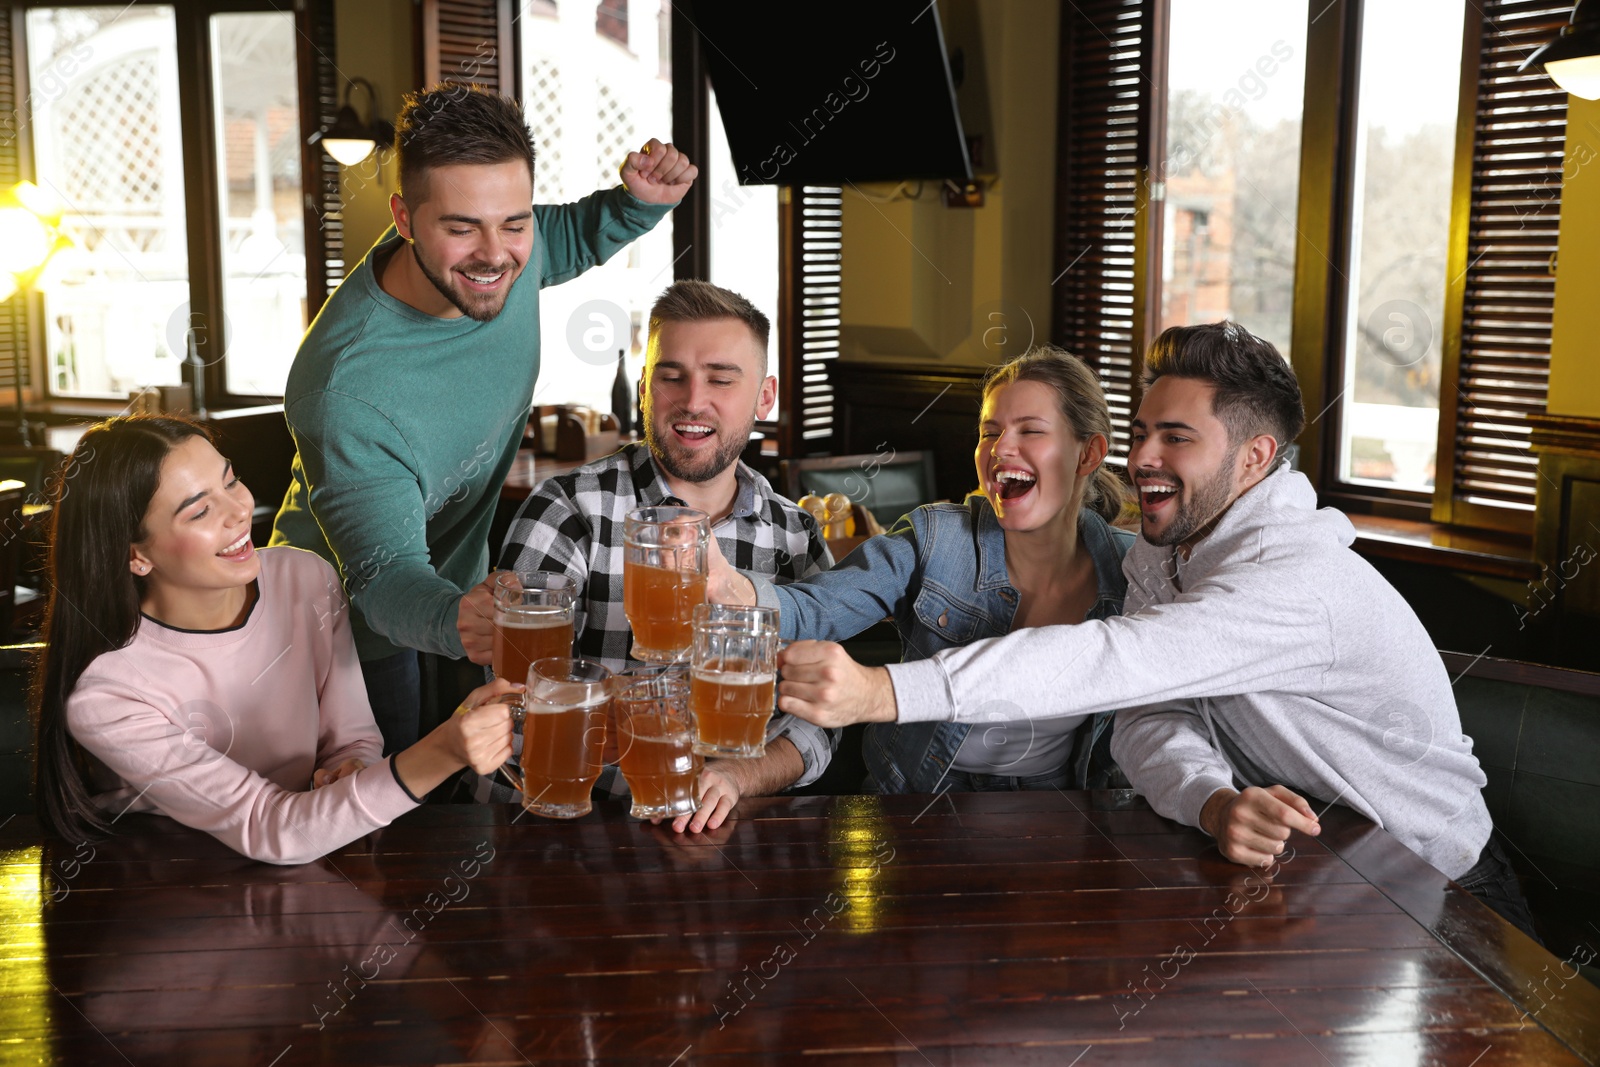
(622, 397)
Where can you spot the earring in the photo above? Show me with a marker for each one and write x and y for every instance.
(140, 568)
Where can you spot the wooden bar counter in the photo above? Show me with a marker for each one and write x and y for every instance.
(1033, 928)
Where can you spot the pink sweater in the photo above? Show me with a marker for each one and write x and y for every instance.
(222, 730)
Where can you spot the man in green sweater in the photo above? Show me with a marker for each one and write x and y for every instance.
(409, 394)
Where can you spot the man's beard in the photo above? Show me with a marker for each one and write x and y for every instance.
(480, 307)
(687, 468)
(1207, 504)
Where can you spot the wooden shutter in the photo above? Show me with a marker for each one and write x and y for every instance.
(320, 88)
(470, 41)
(1496, 360)
(809, 250)
(14, 346)
(1108, 194)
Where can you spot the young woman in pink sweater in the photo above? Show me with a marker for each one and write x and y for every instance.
(188, 674)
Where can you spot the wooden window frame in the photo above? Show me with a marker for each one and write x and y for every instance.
(196, 133)
(1326, 199)
(1482, 265)
(1324, 243)
(810, 258)
(445, 47)
(475, 41)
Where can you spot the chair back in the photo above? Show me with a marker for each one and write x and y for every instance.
(32, 467)
(1534, 731)
(12, 535)
(16, 730)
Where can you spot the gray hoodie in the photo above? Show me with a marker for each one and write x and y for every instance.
(1273, 655)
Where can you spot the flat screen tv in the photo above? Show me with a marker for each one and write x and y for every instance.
(829, 92)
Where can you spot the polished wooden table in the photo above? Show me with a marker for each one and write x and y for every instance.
(1035, 928)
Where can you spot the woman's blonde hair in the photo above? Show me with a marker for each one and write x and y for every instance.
(1083, 405)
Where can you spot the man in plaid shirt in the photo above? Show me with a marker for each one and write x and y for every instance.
(705, 384)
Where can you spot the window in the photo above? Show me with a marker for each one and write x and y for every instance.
(611, 20)
(141, 173)
(259, 197)
(1404, 159)
(108, 146)
(595, 90)
(1309, 171)
(1235, 81)
(597, 85)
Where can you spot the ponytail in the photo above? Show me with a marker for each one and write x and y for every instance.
(1107, 495)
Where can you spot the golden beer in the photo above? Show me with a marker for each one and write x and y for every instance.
(658, 760)
(564, 718)
(735, 669)
(533, 620)
(561, 757)
(520, 637)
(665, 551)
(660, 607)
(731, 705)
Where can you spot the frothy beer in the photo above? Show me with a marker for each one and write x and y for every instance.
(522, 636)
(660, 607)
(731, 705)
(659, 762)
(561, 754)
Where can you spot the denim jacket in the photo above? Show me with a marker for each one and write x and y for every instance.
(940, 572)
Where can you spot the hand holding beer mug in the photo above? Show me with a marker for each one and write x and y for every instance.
(663, 578)
(651, 708)
(563, 735)
(724, 584)
(735, 666)
(533, 617)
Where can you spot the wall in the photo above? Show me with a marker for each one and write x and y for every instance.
(1574, 362)
(924, 281)
(375, 42)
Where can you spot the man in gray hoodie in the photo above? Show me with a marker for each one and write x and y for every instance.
(1258, 664)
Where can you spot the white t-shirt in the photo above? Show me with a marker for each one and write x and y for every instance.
(1020, 748)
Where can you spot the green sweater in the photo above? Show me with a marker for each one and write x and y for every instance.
(405, 425)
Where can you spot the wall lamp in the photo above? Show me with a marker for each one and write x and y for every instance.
(350, 140)
(1573, 59)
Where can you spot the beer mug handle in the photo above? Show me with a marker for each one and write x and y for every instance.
(513, 777)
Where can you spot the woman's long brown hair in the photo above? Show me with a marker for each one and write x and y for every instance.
(100, 501)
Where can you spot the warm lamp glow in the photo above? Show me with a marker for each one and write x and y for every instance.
(30, 233)
(25, 240)
(1579, 76)
(41, 202)
(1573, 59)
(349, 151)
(351, 139)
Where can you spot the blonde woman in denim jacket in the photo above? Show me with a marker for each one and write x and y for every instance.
(1032, 547)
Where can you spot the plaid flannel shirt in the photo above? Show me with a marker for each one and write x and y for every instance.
(572, 524)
